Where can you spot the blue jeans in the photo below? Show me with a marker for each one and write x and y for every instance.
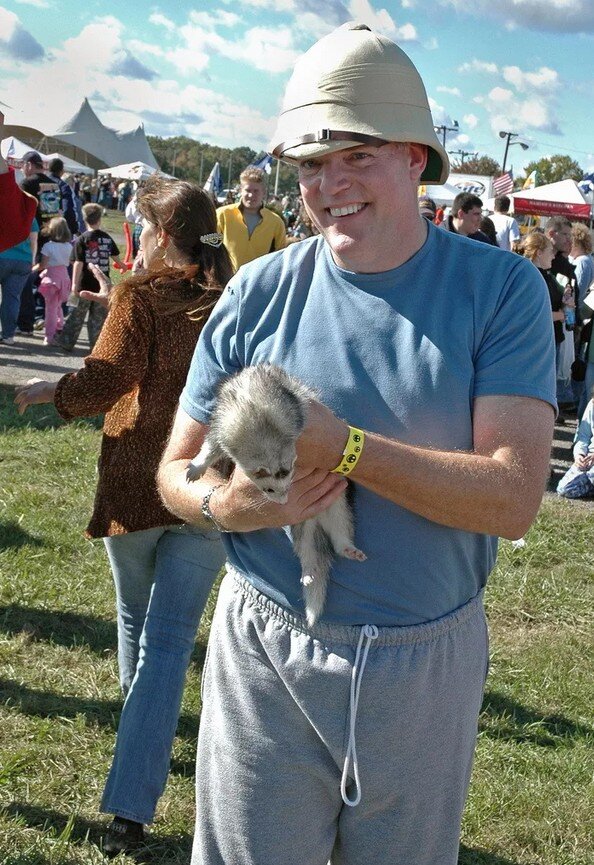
(163, 578)
(13, 276)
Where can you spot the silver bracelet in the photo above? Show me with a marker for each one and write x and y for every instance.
(206, 511)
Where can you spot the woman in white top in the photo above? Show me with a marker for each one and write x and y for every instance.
(55, 281)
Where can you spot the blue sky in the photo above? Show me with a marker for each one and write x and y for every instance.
(216, 71)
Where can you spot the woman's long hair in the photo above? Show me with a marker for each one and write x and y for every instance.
(533, 243)
(186, 213)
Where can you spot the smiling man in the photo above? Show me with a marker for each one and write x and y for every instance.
(249, 229)
(433, 358)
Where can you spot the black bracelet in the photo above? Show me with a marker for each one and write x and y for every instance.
(206, 511)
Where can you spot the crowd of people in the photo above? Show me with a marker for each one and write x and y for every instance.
(436, 352)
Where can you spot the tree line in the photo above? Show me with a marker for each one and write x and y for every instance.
(193, 160)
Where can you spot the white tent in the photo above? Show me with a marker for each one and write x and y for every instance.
(130, 171)
(85, 131)
(14, 148)
(563, 198)
(442, 195)
(71, 166)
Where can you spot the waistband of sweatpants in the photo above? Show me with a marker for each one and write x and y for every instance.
(349, 634)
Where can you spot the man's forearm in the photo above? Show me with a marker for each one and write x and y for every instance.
(182, 498)
(495, 489)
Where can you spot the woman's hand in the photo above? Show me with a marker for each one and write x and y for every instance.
(239, 506)
(35, 392)
(105, 286)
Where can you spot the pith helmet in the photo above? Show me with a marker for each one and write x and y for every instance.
(356, 87)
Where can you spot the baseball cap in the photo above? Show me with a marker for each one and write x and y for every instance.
(355, 87)
(33, 156)
(427, 207)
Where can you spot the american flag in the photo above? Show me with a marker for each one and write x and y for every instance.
(504, 184)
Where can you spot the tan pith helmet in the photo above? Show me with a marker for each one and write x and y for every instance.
(356, 87)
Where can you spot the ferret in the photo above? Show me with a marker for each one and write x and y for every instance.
(259, 414)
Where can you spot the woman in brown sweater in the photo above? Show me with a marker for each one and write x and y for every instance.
(163, 570)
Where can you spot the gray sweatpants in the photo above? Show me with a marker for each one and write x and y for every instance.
(282, 713)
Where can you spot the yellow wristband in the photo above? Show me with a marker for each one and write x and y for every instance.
(352, 451)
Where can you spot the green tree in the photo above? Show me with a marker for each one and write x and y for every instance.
(479, 165)
(550, 169)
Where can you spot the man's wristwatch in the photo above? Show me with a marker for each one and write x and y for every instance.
(206, 511)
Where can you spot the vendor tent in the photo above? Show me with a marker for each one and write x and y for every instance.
(442, 195)
(14, 149)
(129, 171)
(563, 198)
(71, 166)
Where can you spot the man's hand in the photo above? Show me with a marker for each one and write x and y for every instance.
(35, 392)
(239, 506)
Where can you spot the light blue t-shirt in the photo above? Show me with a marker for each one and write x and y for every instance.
(22, 251)
(401, 353)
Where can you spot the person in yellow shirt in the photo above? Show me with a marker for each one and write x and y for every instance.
(249, 229)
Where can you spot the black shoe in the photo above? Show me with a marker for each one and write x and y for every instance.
(122, 836)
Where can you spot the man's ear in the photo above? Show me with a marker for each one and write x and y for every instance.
(418, 159)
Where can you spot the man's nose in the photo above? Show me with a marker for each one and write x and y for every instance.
(334, 177)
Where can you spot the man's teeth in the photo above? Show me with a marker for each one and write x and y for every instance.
(345, 211)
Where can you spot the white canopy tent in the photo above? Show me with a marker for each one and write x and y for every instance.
(14, 150)
(71, 166)
(130, 171)
(442, 195)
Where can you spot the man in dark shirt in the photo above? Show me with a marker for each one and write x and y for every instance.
(36, 183)
(67, 196)
(465, 218)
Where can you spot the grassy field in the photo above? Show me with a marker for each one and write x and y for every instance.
(531, 800)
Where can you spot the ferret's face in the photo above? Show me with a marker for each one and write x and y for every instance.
(272, 474)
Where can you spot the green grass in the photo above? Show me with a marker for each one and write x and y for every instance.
(531, 799)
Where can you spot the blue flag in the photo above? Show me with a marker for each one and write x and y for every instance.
(264, 162)
(214, 182)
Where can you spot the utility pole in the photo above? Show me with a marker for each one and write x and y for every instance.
(201, 165)
(230, 163)
(173, 162)
(444, 129)
(276, 178)
(463, 154)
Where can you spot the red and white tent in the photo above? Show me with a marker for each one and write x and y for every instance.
(563, 198)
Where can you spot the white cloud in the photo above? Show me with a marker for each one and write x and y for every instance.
(479, 66)
(431, 44)
(564, 16)
(40, 4)
(211, 20)
(160, 20)
(145, 47)
(453, 91)
(15, 41)
(470, 120)
(543, 78)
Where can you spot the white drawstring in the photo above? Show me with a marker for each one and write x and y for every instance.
(368, 632)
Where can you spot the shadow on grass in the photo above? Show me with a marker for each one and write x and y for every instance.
(59, 627)
(159, 847)
(12, 535)
(505, 719)
(105, 713)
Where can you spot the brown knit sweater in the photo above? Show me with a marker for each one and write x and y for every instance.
(135, 374)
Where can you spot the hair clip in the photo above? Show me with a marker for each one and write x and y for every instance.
(214, 239)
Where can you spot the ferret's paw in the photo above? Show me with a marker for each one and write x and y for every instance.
(193, 472)
(353, 553)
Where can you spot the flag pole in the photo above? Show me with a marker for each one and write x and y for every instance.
(276, 178)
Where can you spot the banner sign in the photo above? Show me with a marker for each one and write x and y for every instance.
(477, 184)
(533, 207)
